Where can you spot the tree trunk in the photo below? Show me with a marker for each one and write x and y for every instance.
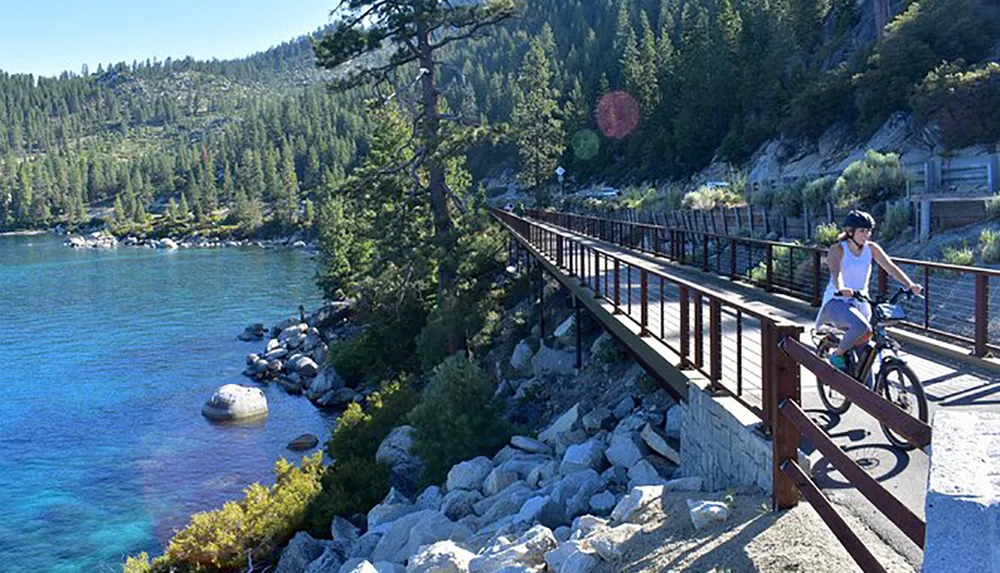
(444, 227)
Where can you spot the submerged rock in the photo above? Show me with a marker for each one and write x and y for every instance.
(303, 443)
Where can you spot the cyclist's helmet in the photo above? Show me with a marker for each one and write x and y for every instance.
(858, 220)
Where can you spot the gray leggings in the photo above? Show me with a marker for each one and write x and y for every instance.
(847, 315)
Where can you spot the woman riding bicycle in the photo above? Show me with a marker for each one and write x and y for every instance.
(850, 263)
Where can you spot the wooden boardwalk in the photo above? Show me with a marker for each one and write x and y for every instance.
(948, 383)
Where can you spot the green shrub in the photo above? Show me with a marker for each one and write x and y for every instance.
(818, 193)
(355, 483)
(763, 197)
(958, 256)
(989, 244)
(962, 100)
(458, 418)
(876, 178)
(897, 220)
(350, 486)
(253, 528)
(609, 351)
(993, 207)
(924, 35)
(826, 234)
(789, 200)
(139, 564)
(707, 198)
(801, 267)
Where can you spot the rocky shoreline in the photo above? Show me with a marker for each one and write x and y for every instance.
(105, 240)
(566, 502)
(295, 355)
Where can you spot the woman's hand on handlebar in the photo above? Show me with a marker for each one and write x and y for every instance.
(916, 289)
(846, 292)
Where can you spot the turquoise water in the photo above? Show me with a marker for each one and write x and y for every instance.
(107, 357)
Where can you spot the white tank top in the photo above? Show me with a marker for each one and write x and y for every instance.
(856, 271)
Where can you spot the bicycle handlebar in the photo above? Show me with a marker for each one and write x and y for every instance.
(859, 296)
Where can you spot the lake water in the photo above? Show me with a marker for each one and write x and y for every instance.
(107, 358)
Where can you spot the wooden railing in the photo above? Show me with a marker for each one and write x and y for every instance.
(782, 355)
(947, 310)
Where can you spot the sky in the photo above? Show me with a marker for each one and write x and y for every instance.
(47, 37)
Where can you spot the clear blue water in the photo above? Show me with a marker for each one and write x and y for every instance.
(105, 360)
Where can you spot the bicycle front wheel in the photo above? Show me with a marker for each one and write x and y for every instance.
(833, 401)
(898, 384)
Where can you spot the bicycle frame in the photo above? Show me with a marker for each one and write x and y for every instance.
(882, 343)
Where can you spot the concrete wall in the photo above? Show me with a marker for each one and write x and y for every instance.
(719, 443)
(963, 494)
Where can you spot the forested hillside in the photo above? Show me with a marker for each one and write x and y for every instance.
(253, 139)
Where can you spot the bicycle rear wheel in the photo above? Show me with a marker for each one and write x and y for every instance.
(898, 384)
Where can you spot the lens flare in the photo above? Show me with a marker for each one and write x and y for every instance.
(617, 114)
(586, 144)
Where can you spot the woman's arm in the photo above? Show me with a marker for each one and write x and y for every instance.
(834, 258)
(885, 261)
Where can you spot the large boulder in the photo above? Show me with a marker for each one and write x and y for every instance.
(440, 557)
(498, 480)
(394, 506)
(460, 503)
(331, 560)
(588, 455)
(235, 402)
(572, 493)
(469, 474)
(551, 362)
(570, 420)
(520, 361)
(305, 366)
(408, 534)
(637, 499)
(355, 566)
(530, 445)
(527, 551)
(626, 449)
(300, 552)
(330, 315)
(394, 452)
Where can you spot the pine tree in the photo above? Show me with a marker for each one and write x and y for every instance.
(286, 205)
(183, 210)
(538, 131)
(647, 87)
(418, 32)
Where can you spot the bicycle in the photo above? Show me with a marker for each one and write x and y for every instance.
(895, 380)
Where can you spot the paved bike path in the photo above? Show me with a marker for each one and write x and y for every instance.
(948, 384)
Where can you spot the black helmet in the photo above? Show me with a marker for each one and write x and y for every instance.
(858, 220)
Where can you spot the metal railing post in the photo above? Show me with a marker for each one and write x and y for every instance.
(715, 342)
(699, 332)
(982, 314)
(732, 259)
(644, 302)
(617, 297)
(784, 383)
(817, 298)
(685, 327)
(704, 252)
(769, 262)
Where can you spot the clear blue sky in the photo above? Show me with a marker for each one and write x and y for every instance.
(46, 37)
